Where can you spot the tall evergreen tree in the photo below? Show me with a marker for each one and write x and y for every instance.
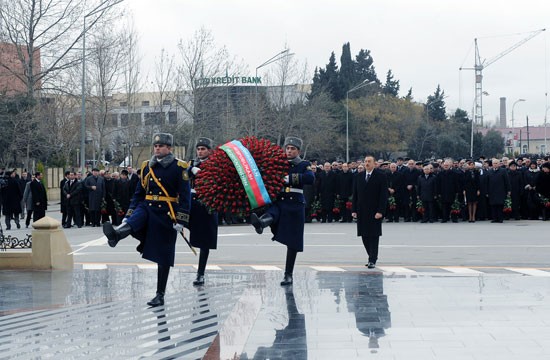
(436, 105)
(364, 70)
(347, 71)
(331, 73)
(409, 95)
(391, 87)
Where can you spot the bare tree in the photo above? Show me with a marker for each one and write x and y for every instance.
(44, 33)
(201, 60)
(105, 73)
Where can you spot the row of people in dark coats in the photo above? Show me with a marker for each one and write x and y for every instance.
(20, 193)
(447, 191)
(99, 197)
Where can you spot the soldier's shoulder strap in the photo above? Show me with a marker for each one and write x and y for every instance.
(183, 164)
(144, 177)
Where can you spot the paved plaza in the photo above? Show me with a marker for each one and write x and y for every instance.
(440, 291)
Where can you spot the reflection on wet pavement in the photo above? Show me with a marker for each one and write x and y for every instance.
(101, 314)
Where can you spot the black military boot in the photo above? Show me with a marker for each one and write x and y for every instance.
(261, 222)
(162, 278)
(287, 280)
(157, 300)
(114, 235)
(199, 281)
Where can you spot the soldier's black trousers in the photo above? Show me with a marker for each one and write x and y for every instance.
(203, 258)
(290, 260)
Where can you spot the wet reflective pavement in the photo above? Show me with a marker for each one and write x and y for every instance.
(101, 314)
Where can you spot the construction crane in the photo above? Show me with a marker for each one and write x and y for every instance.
(480, 65)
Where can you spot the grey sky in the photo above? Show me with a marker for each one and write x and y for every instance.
(424, 42)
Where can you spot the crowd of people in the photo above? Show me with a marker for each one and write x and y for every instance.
(443, 190)
(22, 197)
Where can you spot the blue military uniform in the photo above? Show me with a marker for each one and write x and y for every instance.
(150, 215)
(288, 211)
(203, 226)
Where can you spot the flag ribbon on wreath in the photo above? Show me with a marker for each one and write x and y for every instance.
(248, 173)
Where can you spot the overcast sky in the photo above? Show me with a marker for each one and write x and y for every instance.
(424, 42)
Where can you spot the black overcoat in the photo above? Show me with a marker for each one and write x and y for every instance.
(203, 226)
(11, 197)
(95, 196)
(498, 186)
(426, 187)
(368, 199)
(39, 197)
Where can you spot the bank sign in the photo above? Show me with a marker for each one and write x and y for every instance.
(229, 80)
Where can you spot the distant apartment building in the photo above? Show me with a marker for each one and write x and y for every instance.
(12, 70)
(524, 140)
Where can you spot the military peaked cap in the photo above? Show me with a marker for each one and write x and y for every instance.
(163, 139)
(204, 141)
(294, 141)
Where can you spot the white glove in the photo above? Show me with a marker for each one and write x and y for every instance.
(287, 179)
(124, 220)
(178, 227)
(195, 170)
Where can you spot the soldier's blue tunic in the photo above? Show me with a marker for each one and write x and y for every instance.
(288, 211)
(203, 226)
(150, 219)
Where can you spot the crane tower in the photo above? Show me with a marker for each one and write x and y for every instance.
(480, 65)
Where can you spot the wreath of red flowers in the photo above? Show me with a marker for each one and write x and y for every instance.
(219, 187)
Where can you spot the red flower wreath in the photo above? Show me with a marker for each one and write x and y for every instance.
(219, 187)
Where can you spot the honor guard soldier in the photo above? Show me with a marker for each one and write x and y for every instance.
(158, 211)
(203, 225)
(286, 216)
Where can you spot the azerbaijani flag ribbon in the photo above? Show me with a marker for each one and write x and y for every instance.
(248, 172)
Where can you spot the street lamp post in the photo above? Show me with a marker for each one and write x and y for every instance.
(281, 55)
(513, 106)
(101, 7)
(545, 137)
(356, 87)
(515, 102)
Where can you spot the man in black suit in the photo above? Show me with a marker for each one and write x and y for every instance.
(39, 197)
(447, 188)
(63, 200)
(498, 187)
(426, 185)
(370, 198)
(411, 174)
(72, 193)
(397, 189)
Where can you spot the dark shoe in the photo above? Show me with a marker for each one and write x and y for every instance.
(443, 221)
(261, 222)
(199, 281)
(371, 265)
(424, 221)
(114, 235)
(287, 280)
(157, 300)
(18, 226)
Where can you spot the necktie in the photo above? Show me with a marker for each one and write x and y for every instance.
(368, 177)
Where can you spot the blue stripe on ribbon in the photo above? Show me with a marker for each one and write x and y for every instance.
(255, 171)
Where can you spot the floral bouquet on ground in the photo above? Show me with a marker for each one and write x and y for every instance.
(349, 205)
(545, 202)
(103, 207)
(507, 205)
(241, 176)
(118, 209)
(455, 207)
(316, 209)
(419, 207)
(392, 205)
